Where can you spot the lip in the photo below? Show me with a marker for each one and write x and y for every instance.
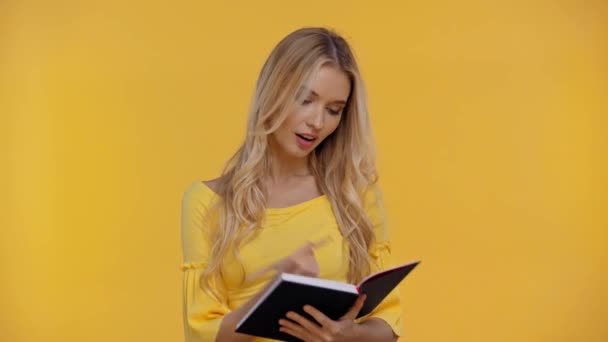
(309, 135)
(304, 144)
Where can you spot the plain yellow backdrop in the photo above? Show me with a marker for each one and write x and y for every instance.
(490, 119)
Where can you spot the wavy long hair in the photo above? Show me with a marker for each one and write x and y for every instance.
(343, 164)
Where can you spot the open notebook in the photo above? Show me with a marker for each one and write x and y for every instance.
(290, 292)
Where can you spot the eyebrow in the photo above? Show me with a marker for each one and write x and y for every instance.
(313, 93)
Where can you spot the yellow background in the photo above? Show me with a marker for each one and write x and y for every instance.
(490, 118)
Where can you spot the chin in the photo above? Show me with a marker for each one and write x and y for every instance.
(297, 153)
(301, 154)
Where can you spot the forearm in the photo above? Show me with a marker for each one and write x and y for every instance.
(228, 326)
(375, 330)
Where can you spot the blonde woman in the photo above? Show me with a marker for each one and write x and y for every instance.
(299, 196)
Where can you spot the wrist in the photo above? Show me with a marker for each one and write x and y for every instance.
(227, 329)
(358, 331)
(373, 329)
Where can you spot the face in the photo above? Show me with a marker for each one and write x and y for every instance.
(316, 114)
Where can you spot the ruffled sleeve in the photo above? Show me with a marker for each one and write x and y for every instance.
(202, 313)
(390, 308)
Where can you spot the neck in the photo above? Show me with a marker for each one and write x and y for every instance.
(284, 168)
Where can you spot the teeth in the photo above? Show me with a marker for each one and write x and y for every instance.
(306, 137)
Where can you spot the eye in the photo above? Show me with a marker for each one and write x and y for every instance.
(306, 102)
(334, 112)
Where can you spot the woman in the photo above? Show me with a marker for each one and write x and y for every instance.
(299, 196)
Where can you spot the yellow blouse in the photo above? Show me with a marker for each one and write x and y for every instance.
(284, 230)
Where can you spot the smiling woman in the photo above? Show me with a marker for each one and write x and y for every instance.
(299, 196)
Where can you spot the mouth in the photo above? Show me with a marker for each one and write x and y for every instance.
(306, 137)
(305, 141)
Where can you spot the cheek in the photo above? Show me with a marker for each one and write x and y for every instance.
(286, 126)
(332, 123)
(283, 134)
(293, 120)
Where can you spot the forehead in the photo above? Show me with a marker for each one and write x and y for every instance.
(329, 83)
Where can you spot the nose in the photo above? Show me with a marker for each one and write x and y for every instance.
(315, 119)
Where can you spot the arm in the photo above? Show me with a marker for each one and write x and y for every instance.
(383, 323)
(230, 321)
(345, 329)
(375, 329)
(388, 312)
(205, 318)
(302, 261)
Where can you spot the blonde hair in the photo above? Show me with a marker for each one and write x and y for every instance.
(343, 164)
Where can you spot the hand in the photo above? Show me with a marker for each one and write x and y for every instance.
(344, 329)
(302, 261)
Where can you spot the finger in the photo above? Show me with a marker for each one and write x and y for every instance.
(311, 328)
(318, 316)
(294, 329)
(257, 275)
(354, 310)
(320, 242)
(295, 333)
